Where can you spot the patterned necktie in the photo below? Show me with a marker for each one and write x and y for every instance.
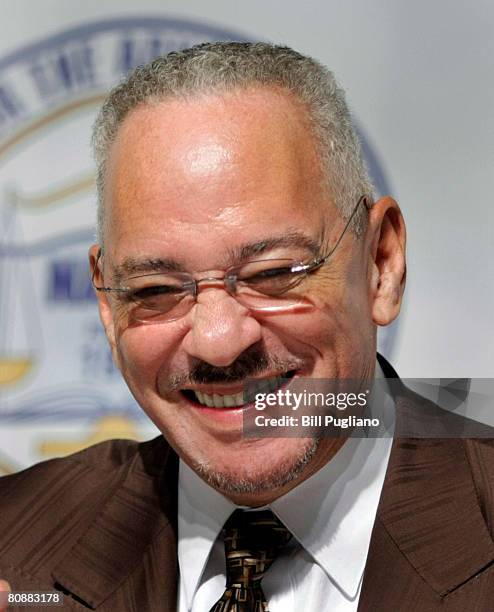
(252, 542)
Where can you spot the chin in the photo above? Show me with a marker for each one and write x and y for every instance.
(266, 473)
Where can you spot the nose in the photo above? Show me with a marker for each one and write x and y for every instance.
(220, 329)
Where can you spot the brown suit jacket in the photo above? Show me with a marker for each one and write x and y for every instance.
(100, 525)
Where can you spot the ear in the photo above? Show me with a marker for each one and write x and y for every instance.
(386, 236)
(105, 311)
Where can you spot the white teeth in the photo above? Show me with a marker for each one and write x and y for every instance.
(218, 401)
(229, 401)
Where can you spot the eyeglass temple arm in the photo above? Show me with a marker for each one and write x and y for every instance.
(320, 261)
(102, 289)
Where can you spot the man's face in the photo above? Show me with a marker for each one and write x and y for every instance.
(208, 183)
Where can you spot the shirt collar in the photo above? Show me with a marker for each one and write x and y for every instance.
(335, 528)
(202, 512)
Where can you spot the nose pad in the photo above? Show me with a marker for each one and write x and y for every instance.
(221, 329)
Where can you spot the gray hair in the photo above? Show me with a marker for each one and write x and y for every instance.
(225, 66)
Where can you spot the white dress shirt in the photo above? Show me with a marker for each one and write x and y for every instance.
(331, 516)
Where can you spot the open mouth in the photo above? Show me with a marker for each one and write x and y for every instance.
(237, 400)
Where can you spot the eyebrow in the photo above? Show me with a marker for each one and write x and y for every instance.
(293, 238)
(132, 266)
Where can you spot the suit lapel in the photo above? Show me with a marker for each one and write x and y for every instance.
(430, 536)
(139, 516)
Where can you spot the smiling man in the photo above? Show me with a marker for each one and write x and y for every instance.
(196, 185)
(239, 239)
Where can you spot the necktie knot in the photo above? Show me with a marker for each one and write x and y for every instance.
(253, 540)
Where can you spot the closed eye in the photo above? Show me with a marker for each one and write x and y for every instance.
(154, 291)
(272, 273)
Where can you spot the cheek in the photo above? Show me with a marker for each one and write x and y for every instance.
(344, 309)
(340, 326)
(345, 291)
(144, 350)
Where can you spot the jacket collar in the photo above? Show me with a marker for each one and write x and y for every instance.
(429, 504)
(140, 507)
(430, 510)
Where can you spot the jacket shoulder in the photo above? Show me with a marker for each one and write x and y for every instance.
(102, 457)
(66, 494)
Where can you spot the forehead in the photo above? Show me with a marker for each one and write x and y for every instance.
(215, 167)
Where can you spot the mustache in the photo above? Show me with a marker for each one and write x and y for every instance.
(251, 363)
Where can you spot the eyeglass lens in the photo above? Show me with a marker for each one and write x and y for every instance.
(259, 285)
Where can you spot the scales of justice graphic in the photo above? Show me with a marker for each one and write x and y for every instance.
(21, 338)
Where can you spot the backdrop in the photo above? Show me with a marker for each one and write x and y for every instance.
(419, 77)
